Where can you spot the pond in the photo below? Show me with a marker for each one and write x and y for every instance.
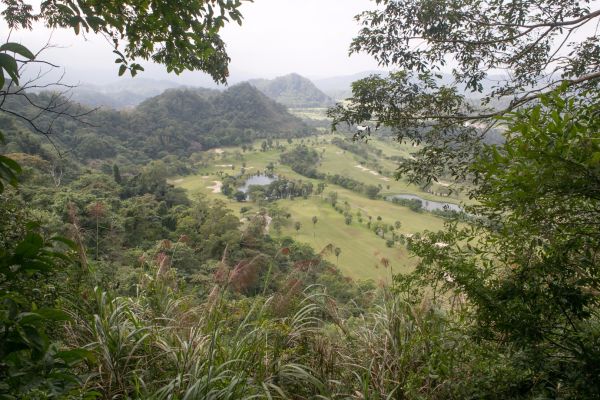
(428, 205)
(258, 180)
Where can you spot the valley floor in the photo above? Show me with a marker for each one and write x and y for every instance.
(364, 255)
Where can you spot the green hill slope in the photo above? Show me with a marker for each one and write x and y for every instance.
(177, 122)
(293, 90)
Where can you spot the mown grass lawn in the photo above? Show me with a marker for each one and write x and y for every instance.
(362, 250)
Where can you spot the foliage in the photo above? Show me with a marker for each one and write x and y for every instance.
(525, 39)
(304, 161)
(527, 264)
(182, 38)
(175, 123)
(32, 363)
(415, 205)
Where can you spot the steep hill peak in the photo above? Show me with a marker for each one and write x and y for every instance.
(293, 90)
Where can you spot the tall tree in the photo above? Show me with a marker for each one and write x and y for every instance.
(527, 264)
(507, 54)
(167, 32)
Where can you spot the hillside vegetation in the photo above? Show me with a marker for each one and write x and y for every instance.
(211, 245)
(177, 122)
(294, 91)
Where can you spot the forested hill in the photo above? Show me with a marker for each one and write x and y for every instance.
(177, 122)
(293, 90)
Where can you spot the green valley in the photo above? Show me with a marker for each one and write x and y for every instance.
(298, 200)
(362, 249)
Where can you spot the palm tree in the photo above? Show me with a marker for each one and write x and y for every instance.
(337, 252)
(314, 221)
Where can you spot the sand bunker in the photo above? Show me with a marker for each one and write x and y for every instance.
(365, 169)
(177, 180)
(385, 179)
(224, 165)
(218, 151)
(216, 188)
(205, 176)
(268, 225)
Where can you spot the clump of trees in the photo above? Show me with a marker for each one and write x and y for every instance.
(304, 160)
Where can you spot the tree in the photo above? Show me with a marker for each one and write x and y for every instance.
(527, 262)
(181, 38)
(348, 219)
(372, 191)
(297, 226)
(314, 221)
(397, 224)
(320, 187)
(116, 173)
(239, 196)
(270, 168)
(333, 197)
(337, 252)
(528, 41)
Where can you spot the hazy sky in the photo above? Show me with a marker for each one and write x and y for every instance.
(310, 37)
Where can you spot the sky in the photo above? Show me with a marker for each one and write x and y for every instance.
(277, 37)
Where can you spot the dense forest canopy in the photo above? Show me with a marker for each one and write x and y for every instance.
(177, 122)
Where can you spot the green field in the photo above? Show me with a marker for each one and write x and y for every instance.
(362, 250)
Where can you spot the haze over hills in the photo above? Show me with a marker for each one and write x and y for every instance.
(125, 93)
(340, 87)
(293, 90)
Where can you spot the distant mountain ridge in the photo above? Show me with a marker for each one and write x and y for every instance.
(340, 87)
(126, 93)
(293, 91)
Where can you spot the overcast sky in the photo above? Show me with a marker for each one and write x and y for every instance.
(310, 37)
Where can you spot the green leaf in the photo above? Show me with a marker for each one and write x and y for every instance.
(19, 49)
(71, 244)
(9, 64)
(35, 338)
(75, 356)
(122, 70)
(53, 314)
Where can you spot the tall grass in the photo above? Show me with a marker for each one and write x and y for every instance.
(297, 344)
(158, 345)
